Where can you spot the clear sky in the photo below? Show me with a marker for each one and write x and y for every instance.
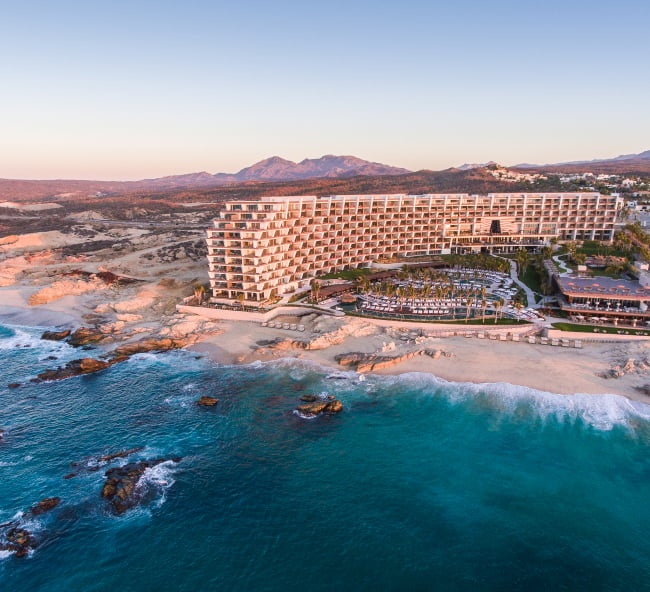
(142, 88)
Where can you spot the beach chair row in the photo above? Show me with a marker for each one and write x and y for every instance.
(287, 326)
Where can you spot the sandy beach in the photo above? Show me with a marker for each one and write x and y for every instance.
(542, 367)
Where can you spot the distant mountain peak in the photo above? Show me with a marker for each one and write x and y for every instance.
(276, 168)
(622, 160)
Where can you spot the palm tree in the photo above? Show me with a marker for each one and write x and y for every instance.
(363, 284)
(483, 307)
(315, 290)
(518, 306)
(523, 260)
(571, 249)
(498, 305)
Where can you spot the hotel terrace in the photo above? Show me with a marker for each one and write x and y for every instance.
(258, 249)
(603, 299)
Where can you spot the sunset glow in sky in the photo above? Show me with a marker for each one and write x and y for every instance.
(142, 88)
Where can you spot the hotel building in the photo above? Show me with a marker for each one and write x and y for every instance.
(257, 249)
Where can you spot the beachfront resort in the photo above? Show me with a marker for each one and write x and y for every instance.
(259, 250)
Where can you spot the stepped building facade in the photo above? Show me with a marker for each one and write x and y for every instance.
(258, 249)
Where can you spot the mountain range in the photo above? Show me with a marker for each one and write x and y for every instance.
(623, 164)
(274, 171)
(268, 170)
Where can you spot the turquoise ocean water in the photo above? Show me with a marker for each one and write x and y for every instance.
(418, 485)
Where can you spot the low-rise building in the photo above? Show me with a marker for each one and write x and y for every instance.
(605, 299)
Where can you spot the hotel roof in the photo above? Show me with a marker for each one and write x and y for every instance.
(603, 287)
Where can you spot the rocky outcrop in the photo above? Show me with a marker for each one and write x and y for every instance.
(363, 362)
(120, 354)
(120, 487)
(353, 328)
(181, 327)
(629, 366)
(45, 505)
(351, 358)
(309, 398)
(121, 454)
(56, 335)
(74, 368)
(94, 464)
(319, 407)
(206, 401)
(280, 344)
(144, 300)
(86, 336)
(17, 540)
(149, 345)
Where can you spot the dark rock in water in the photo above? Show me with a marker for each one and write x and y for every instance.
(120, 486)
(319, 407)
(121, 454)
(51, 358)
(94, 464)
(206, 401)
(45, 505)
(312, 409)
(309, 398)
(19, 541)
(334, 406)
(85, 336)
(13, 385)
(56, 335)
(74, 368)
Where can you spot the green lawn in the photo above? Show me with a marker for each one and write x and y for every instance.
(603, 273)
(531, 279)
(590, 329)
(489, 321)
(590, 248)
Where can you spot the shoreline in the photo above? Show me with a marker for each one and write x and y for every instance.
(561, 371)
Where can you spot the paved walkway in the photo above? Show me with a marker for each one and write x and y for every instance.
(530, 295)
(563, 269)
